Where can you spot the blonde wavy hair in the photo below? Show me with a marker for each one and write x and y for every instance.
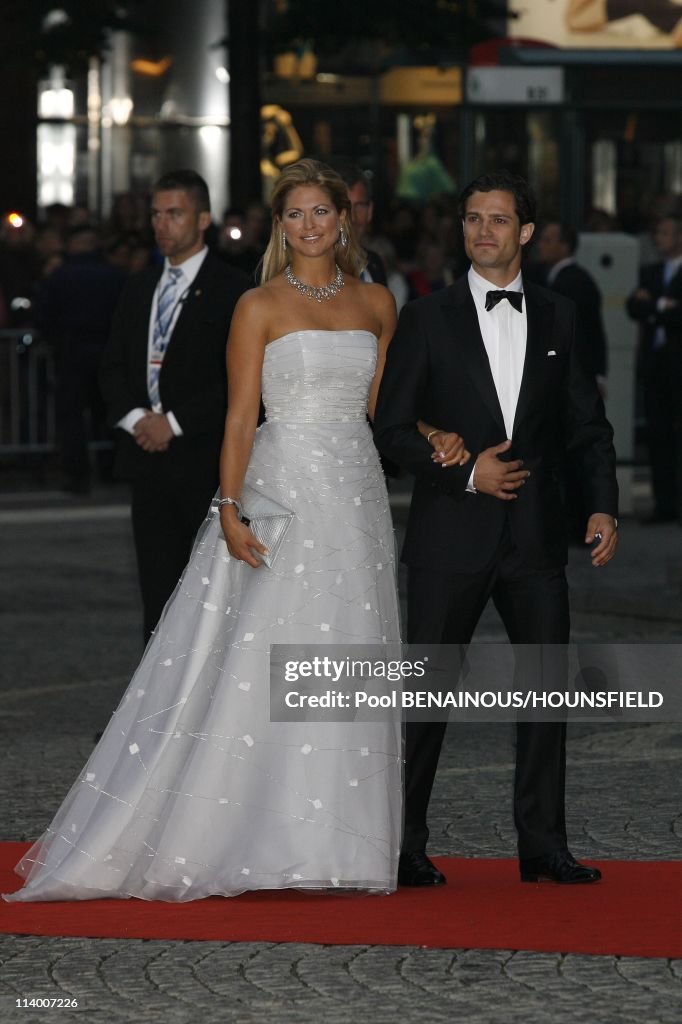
(350, 257)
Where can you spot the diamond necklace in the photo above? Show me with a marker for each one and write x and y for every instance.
(328, 291)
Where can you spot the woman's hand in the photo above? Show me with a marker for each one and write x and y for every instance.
(448, 448)
(241, 543)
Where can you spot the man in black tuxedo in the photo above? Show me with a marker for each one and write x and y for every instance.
(494, 358)
(657, 305)
(163, 378)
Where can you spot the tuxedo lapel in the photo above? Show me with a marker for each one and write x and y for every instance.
(539, 315)
(461, 322)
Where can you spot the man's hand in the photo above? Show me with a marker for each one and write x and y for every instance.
(500, 479)
(153, 432)
(449, 449)
(605, 526)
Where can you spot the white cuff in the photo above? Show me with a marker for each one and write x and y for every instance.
(131, 418)
(470, 486)
(174, 425)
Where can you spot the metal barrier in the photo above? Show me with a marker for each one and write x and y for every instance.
(27, 390)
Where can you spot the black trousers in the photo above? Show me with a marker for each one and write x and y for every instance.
(444, 607)
(662, 387)
(166, 515)
(78, 395)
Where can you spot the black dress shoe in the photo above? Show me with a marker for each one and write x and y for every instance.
(559, 866)
(417, 869)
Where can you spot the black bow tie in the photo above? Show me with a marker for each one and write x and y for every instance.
(516, 299)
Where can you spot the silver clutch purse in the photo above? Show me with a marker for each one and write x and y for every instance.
(267, 520)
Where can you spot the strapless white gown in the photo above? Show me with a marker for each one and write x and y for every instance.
(192, 791)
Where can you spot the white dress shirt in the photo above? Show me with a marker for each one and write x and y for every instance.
(190, 268)
(504, 332)
(669, 270)
(504, 335)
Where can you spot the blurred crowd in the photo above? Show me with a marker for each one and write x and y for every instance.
(63, 276)
(419, 244)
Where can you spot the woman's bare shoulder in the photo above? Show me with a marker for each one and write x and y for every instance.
(376, 298)
(257, 303)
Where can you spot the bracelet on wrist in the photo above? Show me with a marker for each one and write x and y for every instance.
(231, 501)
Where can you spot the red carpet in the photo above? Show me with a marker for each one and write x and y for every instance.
(635, 911)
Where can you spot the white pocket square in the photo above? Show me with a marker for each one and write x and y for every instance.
(552, 353)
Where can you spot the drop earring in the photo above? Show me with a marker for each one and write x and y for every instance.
(343, 238)
(284, 242)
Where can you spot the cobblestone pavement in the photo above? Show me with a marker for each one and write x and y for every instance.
(69, 638)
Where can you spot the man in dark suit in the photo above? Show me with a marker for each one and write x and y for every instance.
(361, 214)
(494, 358)
(556, 246)
(75, 308)
(163, 378)
(657, 305)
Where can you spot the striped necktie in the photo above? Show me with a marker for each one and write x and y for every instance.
(165, 310)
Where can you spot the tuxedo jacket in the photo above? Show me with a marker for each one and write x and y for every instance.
(576, 283)
(192, 382)
(651, 318)
(437, 370)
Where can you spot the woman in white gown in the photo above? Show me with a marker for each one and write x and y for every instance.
(192, 791)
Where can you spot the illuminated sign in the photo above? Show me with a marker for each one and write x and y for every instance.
(515, 85)
(420, 86)
(585, 24)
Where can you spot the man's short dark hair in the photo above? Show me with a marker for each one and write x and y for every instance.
(352, 174)
(503, 181)
(188, 181)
